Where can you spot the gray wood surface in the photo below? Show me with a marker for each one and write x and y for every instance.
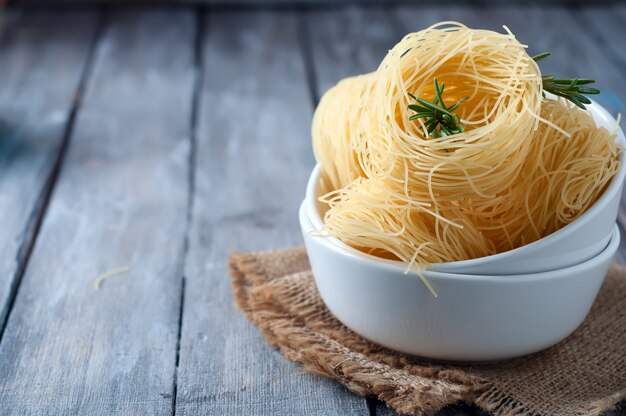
(42, 59)
(281, 3)
(121, 200)
(191, 139)
(253, 159)
(606, 26)
(341, 45)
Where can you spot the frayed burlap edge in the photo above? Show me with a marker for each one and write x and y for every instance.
(417, 392)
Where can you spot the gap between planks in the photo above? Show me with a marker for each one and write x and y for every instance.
(198, 62)
(304, 42)
(285, 5)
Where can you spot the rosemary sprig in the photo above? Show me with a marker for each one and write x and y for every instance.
(572, 89)
(439, 120)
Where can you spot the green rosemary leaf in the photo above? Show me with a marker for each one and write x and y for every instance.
(439, 120)
(418, 108)
(539, 57)
(579, 81)
(588, 91)
(456, 105)
(433, 107)
(582, 99)
(432, 127)
(445, 131)
(430, 122)
(438, 92)
(568, 88)
(419, 115)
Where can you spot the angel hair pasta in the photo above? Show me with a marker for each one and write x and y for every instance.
(520, 167)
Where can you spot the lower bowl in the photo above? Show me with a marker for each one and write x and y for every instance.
(474, 318)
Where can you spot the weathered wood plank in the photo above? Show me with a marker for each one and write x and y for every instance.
(42, 58)
(236, 4)
(253, 159)
(606, 26)
(342, 45)
(121, 200)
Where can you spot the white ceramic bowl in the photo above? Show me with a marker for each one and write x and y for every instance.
(474, 318)
(578, 241)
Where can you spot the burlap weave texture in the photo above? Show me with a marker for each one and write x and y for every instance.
(583, 375)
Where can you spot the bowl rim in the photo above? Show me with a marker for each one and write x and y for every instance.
(399, 269)
(597, 112)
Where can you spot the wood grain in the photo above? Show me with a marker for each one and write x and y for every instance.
(42, 58)
(606, 26)
(121, 200)
(243, 4)
(253, 159)
(342, 46)
(122, 194)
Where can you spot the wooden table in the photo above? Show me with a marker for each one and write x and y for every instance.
(161, 139)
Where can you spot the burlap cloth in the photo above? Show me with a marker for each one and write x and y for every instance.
(583, 375)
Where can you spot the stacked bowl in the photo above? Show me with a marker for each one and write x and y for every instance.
(490, 308)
